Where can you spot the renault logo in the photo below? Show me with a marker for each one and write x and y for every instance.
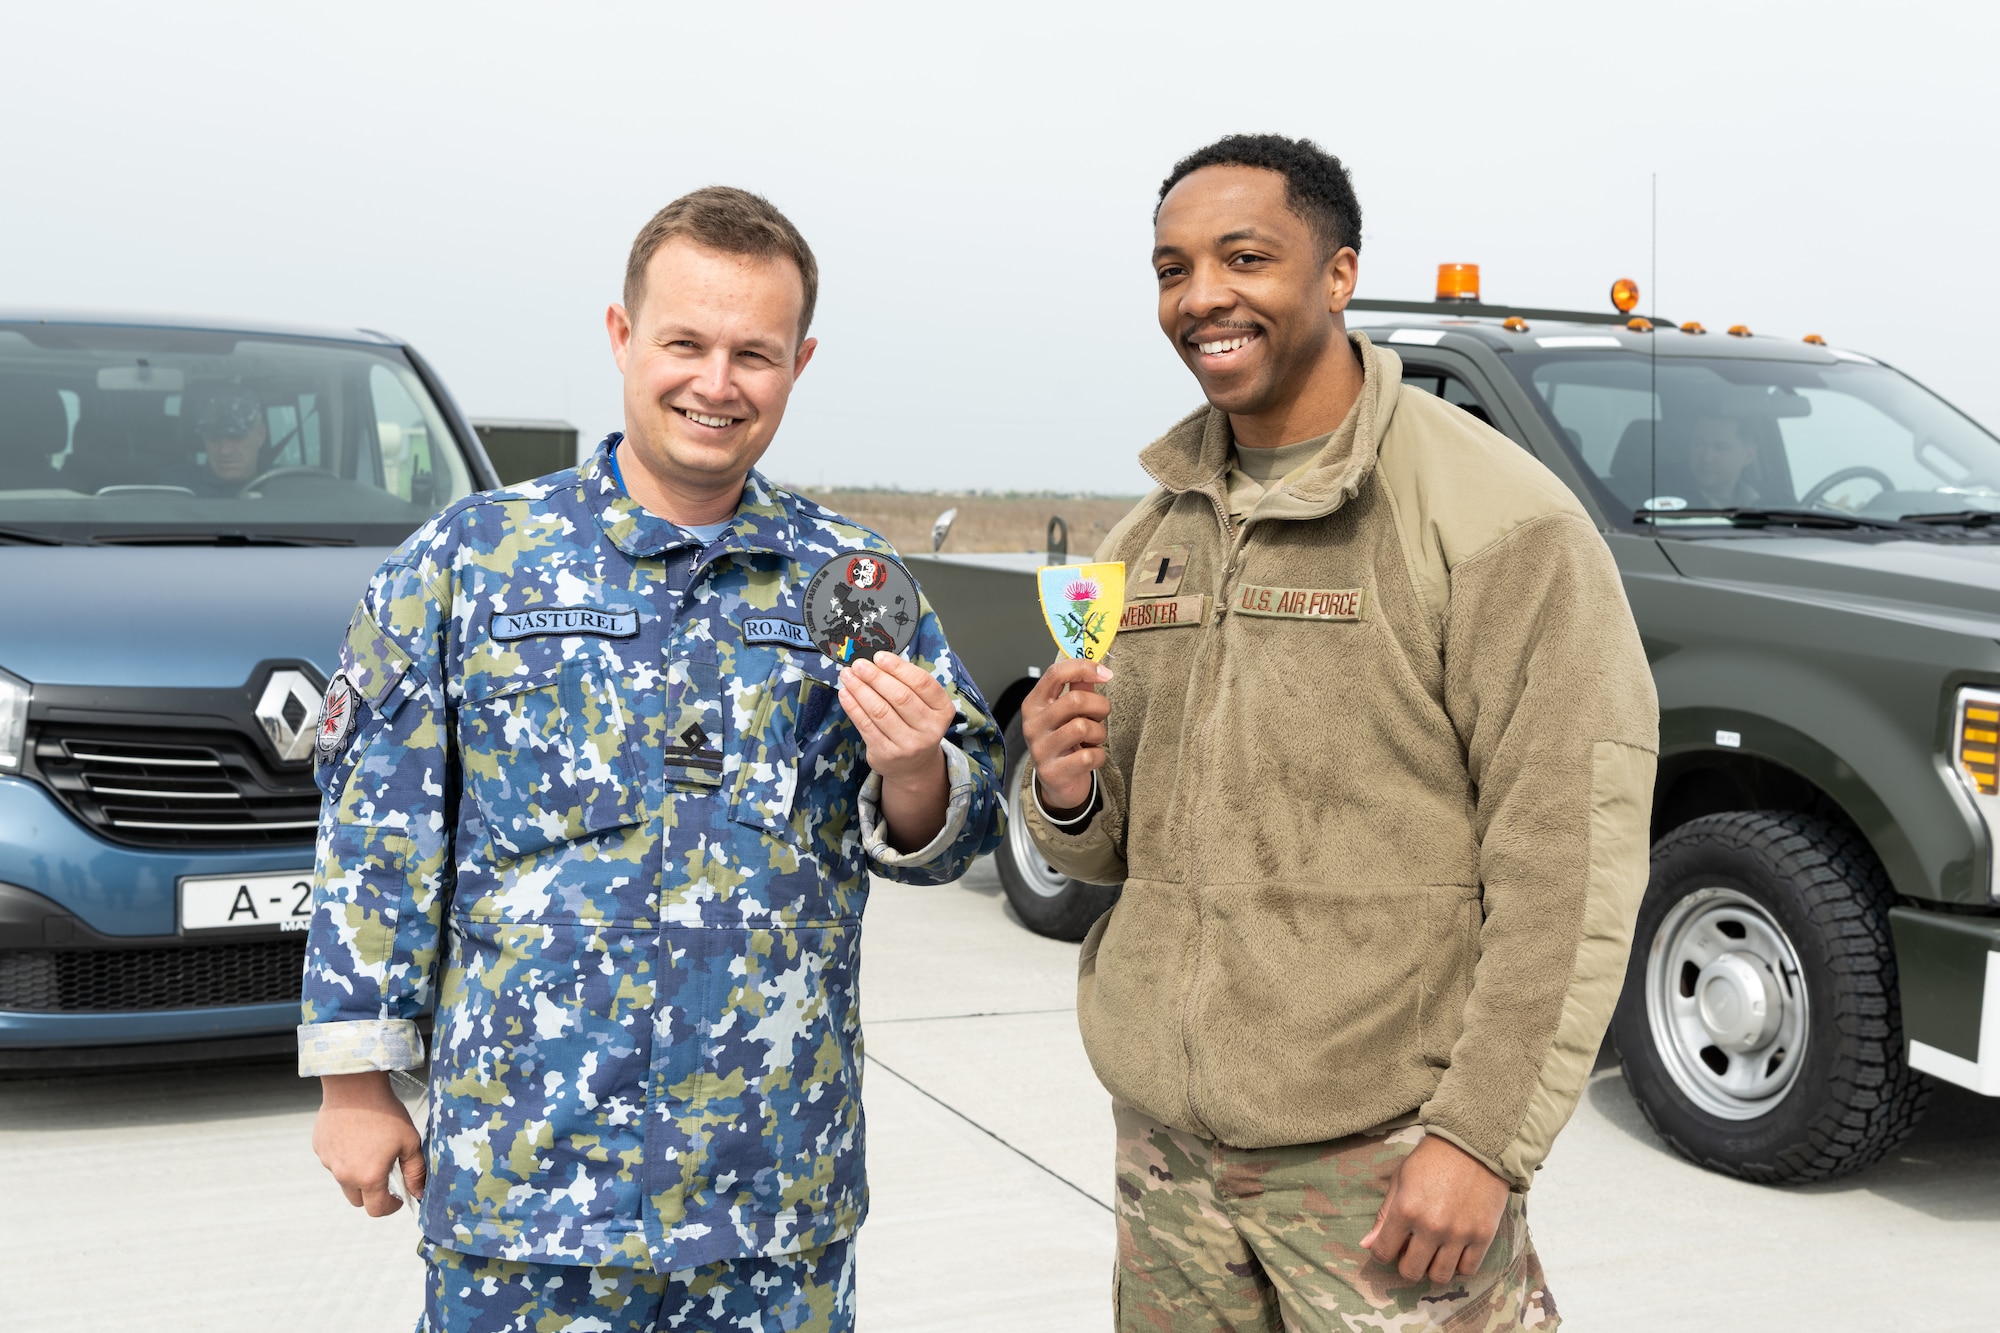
(288, 710)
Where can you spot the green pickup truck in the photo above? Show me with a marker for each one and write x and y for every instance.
(1808, 541)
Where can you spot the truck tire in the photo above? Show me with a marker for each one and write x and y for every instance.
(1759, 1025)
(1047, 901)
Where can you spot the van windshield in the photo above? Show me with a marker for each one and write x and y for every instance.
(111, 432)
(1686, 433)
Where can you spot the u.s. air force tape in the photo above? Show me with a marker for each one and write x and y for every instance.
(860, 605)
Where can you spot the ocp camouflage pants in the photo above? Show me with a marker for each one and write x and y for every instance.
(811, 1292)
(1218, 1238)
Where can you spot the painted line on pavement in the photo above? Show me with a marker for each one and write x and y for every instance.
(1023, 1155)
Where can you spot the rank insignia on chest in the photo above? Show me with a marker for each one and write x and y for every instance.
(1158, 573)
(860, 605)
(1081, 604)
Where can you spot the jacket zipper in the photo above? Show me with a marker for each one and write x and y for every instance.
(1231, 543)
(1234, 541)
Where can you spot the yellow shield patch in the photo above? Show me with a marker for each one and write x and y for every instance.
(1081, 605)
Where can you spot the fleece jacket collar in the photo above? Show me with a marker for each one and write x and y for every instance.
(1196, 454)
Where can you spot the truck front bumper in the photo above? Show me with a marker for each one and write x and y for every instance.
(1949, 978)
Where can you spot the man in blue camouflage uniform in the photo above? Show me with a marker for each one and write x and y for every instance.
(592, 794)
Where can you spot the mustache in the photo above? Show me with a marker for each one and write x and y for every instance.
(1218, 325)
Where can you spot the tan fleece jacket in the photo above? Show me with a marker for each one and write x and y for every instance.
(1381, 763)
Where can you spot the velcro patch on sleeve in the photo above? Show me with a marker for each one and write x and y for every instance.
(1164, 613)
(373, 664)
(1331, 604)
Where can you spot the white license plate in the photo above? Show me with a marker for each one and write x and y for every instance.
(280, 901)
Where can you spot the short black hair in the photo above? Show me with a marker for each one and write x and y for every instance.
(1316, 184)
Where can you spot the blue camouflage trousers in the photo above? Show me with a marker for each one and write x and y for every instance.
(812, 1292)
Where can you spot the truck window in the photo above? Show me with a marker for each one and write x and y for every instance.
(1732, 433)
(1443, 384)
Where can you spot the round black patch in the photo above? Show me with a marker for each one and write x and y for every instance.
(336, 717)
(860, 605)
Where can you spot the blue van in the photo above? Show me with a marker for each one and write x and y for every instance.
(189, 512)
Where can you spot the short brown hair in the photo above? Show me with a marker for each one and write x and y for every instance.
(733, 221)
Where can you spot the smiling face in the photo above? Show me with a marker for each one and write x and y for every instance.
(709, 359)
(1247, 298)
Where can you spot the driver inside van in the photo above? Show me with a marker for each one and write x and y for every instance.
(1720, 456)
(229, 423)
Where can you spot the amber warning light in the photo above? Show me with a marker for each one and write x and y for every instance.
(1979, 740)
(1458, 282)
(1625, 296)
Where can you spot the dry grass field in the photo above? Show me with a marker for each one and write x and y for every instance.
(984, 523)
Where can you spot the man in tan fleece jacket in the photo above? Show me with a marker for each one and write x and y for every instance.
(1373, 759)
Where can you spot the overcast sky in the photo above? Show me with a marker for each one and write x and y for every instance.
(977, 181)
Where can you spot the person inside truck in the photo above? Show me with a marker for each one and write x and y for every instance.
(230, 434)
(1721, 458)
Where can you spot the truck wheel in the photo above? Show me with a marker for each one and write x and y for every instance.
(1047, 901)
(1759, 1025)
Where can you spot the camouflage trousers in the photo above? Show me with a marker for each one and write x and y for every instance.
(811, 1292)
(1218, 1238)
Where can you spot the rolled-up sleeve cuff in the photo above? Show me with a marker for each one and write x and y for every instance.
(874, 839)
(359, 1046)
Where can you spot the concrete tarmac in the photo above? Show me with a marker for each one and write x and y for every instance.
(191, 1199)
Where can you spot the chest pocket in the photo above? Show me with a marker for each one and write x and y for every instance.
(550, 760)
(773, 719)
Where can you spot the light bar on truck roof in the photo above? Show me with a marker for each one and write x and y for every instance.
(1458, 282)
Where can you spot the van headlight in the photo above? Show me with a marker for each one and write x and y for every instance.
(1975, 747)
(14, 694)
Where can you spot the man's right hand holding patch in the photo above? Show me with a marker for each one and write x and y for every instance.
(1062, 720)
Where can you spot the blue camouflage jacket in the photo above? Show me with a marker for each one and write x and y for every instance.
(589, 794)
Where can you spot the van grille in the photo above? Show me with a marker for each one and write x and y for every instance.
(204, 976)
(177, 789)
